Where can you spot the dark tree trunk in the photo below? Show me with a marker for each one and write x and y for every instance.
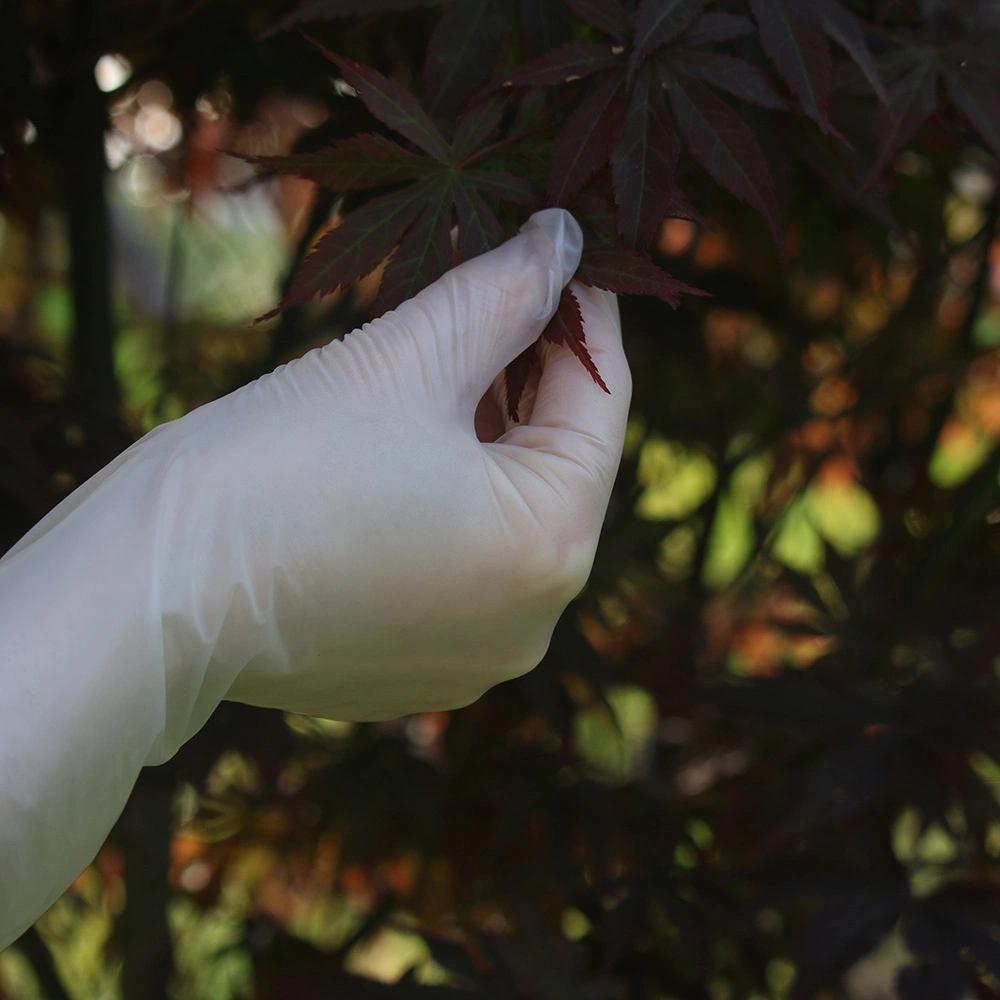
(144, 832)
(79, 121)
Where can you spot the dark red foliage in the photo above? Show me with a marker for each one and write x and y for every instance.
(585, 144)
(644, 100)
(792, 34)
(629, 272)
(566, 328)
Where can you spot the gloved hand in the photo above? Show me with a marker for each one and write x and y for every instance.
(333, 539)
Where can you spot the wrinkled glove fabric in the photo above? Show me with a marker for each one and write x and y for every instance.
(332, 539)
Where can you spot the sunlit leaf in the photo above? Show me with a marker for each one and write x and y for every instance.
(961, 449)
(676, 480)
(616, 738)
(731, 542)
(845, 514)
(799, 545)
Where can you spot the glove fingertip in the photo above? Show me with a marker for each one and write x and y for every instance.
(566, 237)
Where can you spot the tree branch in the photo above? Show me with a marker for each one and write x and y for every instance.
(144, 833)
(79, 120)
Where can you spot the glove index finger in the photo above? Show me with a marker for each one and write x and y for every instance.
(530, 272)
(482, 314)
(566, 237)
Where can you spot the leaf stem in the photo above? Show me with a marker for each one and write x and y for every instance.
(493, 147)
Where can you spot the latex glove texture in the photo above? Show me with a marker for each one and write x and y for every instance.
(333, 539)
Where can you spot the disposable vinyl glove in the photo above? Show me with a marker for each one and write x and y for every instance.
(333, 539)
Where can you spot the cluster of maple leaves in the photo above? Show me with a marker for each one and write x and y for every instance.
(621, 100)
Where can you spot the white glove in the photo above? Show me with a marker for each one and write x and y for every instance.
(332, 539)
